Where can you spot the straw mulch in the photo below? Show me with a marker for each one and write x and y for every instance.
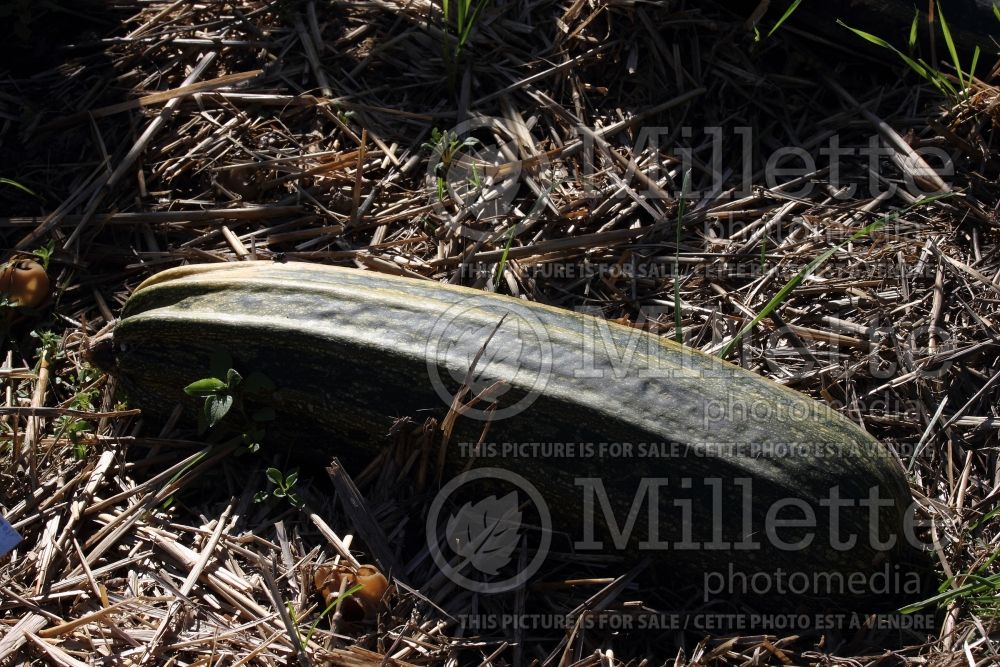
(170, 132)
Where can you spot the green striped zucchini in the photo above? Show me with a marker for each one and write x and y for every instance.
(349, 351)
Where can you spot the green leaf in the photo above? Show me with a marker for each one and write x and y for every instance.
(919, 66)
(940, 81)
(233, 378)
(275, 476)
(878, 41)
(205, 387)
(784, 17)
(535, 210)
(996, 11)
(979, 585)
(783, 293)
(22, 188)
(291, 478)
(330, 607)
(951, 46)
(986, 517)
(469, 22)
(44, 254)
(913, 31)
(217, 407)
(503, 257)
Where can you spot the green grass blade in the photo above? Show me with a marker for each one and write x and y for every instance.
(986, 517)
(535, 211)
(878, 41)
(929, 73)
(784, 17)
(22, 188)
(330, 607)
(918, 66)
(783, 293)
(913, 31)
(996, 11)
(940, 81)
(989, 561)
(975, 63)
(503, 257)
(978, 585)
(951, 46)
(466, 27)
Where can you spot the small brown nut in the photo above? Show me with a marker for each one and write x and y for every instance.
(24, 283)
(320, 577)
(333, 580)
(374, 585)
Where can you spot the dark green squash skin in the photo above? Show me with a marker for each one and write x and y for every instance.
(347, 350)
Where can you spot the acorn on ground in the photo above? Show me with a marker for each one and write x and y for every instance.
(332, 581)
(24, 283)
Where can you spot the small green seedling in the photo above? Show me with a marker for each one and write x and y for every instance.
(72, 427)
(48, 342)
(227, 393)
(44, 254)
(284, 486)
(445, 146)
